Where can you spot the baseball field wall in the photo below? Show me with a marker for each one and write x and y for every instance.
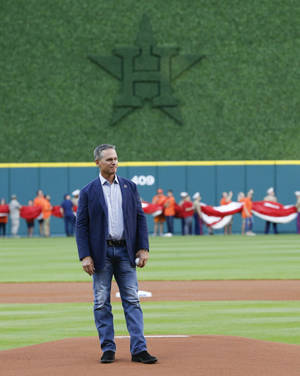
(208, 178)
(208, 80)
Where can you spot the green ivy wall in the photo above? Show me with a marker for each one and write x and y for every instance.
(242, 102)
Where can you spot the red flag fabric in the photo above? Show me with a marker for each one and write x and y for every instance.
(152, 208)
(219, 216)
(56, 211)
(223, 210)
(178, 211)
(30, 212)
(4, 209)
(216, 222)
(274, 211)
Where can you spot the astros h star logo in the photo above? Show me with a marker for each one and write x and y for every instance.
(146, 72)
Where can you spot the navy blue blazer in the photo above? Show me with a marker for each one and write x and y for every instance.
(92, 222)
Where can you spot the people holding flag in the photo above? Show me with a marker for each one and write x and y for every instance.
(225, 200)
(297, 193)
(197, 214)
(4, 211)
(165, 208)
(270, 198)
(14, 210)
(40, 201)
(169, 211)
(187, 213)
(159, 220)
(248, 212)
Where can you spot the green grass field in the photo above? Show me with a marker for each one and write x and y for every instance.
(28, 324)
(178, 258)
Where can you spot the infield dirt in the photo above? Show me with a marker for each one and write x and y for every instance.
(64, 292)
(190, 355)
(193, 356)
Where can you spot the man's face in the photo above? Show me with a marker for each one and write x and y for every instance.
(108, 164)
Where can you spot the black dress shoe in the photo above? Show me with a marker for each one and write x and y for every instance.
(144, 357)
(108, 357)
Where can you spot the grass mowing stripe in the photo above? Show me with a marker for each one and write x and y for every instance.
(26, 324)
(177, 258)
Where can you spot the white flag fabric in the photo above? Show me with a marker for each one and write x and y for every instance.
(274, 212)
(219, 216)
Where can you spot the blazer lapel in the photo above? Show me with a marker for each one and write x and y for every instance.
(99, 193)
(124, 191)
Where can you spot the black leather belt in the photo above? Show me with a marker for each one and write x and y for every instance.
(116, 243)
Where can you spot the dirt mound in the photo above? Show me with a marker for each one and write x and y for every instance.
(194, 355)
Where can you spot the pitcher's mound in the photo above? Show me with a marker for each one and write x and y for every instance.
(194, 355)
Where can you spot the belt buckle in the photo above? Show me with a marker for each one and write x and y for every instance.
(115, 243)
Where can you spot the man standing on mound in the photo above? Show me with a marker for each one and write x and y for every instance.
(111, 233)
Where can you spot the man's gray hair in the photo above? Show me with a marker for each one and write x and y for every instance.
(99, 149)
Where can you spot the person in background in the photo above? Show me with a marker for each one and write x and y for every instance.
(159, 220)
(197, 214)
(248, 213)
(40, 201)
(169, 211)
(297, 193)
(30, 222)
(210, 230)
(188, 213)
(225, 200)
(67, 212)
(271, 198)
(47, 208)
(14, 210)
(241, 198)
(75, 197)
(3, 219)
(182, 196)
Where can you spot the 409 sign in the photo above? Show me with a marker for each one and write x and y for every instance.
(143, 180)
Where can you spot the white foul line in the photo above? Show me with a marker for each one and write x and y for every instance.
(158, 336)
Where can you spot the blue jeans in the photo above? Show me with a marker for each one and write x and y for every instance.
(248, 224)
(170, 223)
(188, 225)
(267, 227)
(117, 264)
(69, 225)
(198, 224)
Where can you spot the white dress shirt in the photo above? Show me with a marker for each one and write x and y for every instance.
(113, 198)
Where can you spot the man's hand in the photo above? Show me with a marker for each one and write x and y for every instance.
(88, 265)
(143, 255)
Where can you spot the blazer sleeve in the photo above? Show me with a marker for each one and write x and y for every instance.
(142, 241)
(82, 226)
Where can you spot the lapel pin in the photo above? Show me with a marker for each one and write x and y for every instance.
(125, 186)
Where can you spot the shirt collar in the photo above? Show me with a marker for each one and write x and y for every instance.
(104, 181)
